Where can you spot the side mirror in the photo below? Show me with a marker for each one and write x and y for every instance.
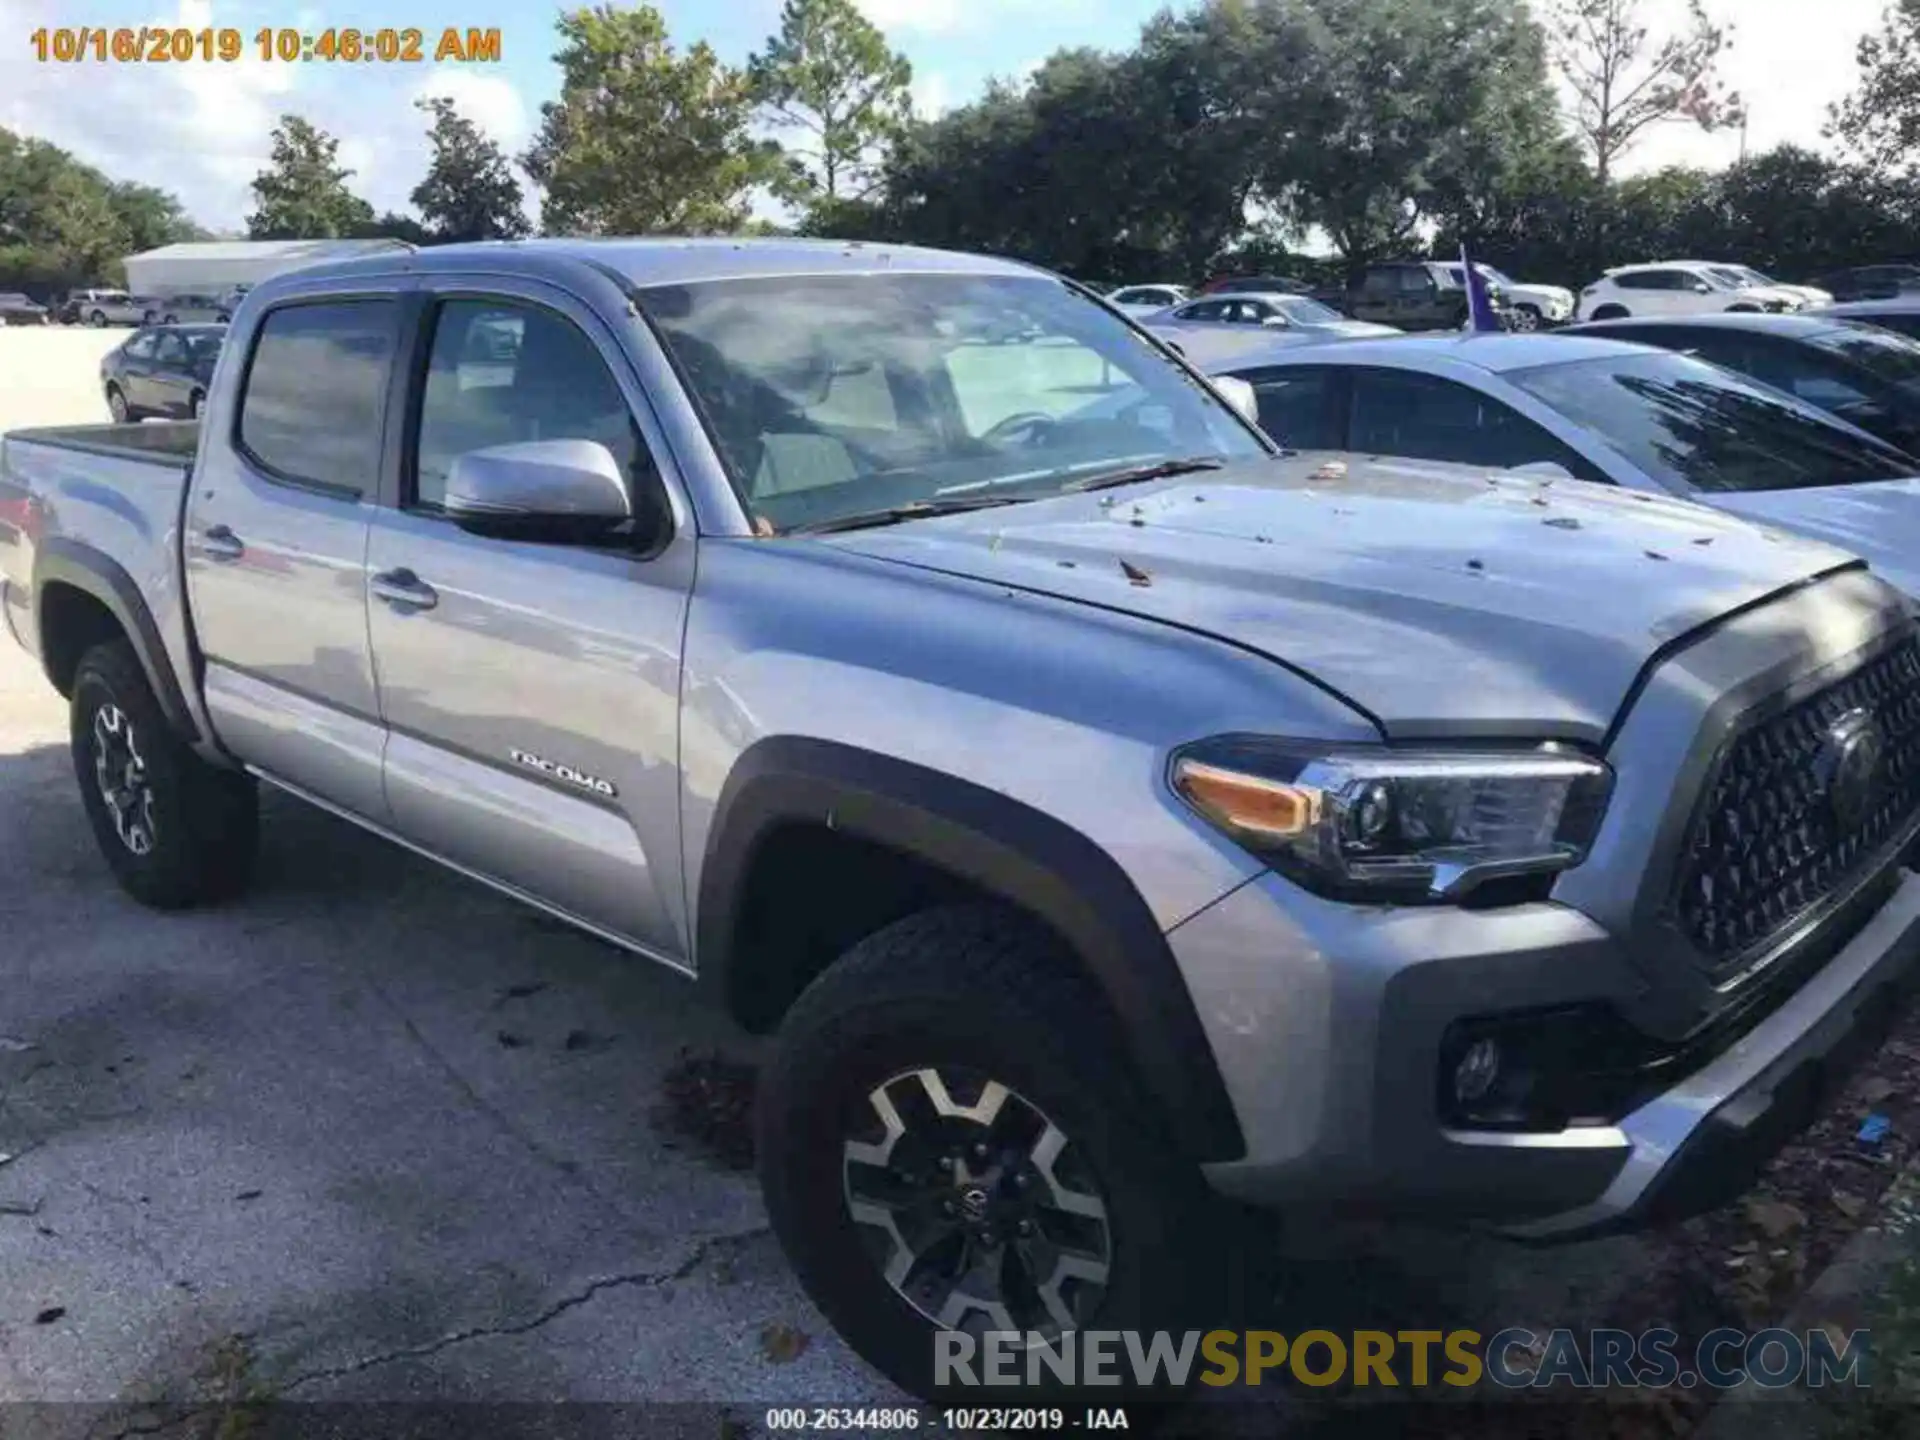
(1700, 287)
(551, 490)
(1240, 395)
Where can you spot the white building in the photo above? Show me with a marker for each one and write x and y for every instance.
(213, 267)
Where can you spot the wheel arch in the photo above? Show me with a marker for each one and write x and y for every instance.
(83, 597)
(985, 843)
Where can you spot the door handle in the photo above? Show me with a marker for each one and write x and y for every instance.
(404, 590)
(217, 542)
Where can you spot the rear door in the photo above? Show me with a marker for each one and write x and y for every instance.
(532, 690)
(169, 380)
(135, 373)
(276, 545)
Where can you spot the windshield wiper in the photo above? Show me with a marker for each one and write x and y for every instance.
(894, 514)
(1159, 470)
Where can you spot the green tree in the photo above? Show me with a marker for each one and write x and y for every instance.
(1625, 79)
(1881, 119)
(469, 192)
(303, 194)
(150, 216)
(829, 77)
(643, 140)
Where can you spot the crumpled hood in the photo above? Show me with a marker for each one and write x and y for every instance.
(1439, 599)
(1880, 522)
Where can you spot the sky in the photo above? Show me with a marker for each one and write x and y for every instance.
(201, 129)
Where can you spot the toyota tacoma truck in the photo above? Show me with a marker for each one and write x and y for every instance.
(1114, 815)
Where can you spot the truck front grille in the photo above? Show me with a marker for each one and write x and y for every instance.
(1794, 813)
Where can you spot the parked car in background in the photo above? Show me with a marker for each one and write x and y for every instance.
(1747, 275)
(1416, 295)
(1528, 307)
(1900, 313)
(17, 308)
(189, 309)
(1273, 312)
(1256, 285)
(1871, 282)
(1145, 299)
(1867, 376)
(101, 307)
(163, 370)
(1677, 287)
(1603, 410)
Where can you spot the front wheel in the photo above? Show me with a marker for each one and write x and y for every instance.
(170, 320)
(175, 830)
(951, 1145)
(117, 405)
(97, 319)
(1523, 318)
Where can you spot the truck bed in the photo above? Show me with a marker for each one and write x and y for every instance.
(170, 441)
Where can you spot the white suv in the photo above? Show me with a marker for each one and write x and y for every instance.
(1678, 287)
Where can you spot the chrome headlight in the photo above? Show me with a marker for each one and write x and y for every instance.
(1378, 823)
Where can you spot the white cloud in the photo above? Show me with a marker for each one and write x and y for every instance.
(932, 17)
(932, 95)
(490, 101)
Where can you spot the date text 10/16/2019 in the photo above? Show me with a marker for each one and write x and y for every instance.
(160, 44)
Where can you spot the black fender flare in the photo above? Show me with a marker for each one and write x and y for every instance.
(1001, 846)
(60, 561)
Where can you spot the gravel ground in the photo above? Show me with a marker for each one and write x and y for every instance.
(376, 1134)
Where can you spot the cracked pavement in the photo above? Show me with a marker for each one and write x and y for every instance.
(290, 1125)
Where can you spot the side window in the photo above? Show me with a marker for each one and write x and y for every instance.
(1416, 281)
(1206, 310)
(1637, 280)
(314, 392)
(141, 346)
(1380, 283)
(501, 373)
(1811, 377)
(1906, 322)
(1297, 406)
(1423, 418)
(172, 350)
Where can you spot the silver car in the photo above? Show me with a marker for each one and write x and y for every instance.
(1600, 410)
(1286, 314)
(188, 309)
(104, 307)
(1895, 312)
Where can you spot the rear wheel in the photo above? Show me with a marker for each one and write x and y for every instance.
(97, 319)
(147, 317)
(170, 320)
(949, 1140)
(117, 405)
(174, 830)
(1609, 312)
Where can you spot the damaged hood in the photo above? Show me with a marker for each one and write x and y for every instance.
(1439, 599)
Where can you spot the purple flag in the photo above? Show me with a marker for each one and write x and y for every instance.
(1480, 312)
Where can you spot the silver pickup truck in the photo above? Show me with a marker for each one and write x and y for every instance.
(1111, 812)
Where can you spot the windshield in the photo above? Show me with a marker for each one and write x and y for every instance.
(834, 396)
(1894, 358)
(1727, 275)
(1693, 426)
(1307, 312)
(1488, 272)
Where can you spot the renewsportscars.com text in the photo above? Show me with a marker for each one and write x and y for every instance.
(1514, 1358)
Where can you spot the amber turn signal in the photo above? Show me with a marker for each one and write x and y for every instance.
(1250, 804)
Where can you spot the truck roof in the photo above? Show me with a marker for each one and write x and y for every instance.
(673, 260)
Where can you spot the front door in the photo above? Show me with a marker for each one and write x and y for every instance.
(532, 690)
(276, 541)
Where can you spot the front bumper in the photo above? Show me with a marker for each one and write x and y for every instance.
(1327, 1022)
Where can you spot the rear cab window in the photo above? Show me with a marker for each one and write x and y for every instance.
(313, 396)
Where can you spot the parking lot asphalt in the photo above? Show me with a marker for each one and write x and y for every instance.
(375, 1133)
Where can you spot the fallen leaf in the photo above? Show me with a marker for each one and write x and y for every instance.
(1775, 1218)
(1135, 574)
(1562, 522)
(782, 1343)
(523, 991)
(508, 1040)
(1655, 555)
(50, 1314)
(249, 1195)
(1476, 564)
(13, 1045)
(1848, 1205)
(1704, 540)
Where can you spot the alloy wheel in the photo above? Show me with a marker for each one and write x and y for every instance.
(977, 1207)
(1523, 319)
(121, 772)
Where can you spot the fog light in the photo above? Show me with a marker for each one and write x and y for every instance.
(1473, 1077)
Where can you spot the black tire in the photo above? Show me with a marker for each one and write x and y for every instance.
(201, 824)
(169, 319)
(1743, 309)
(147, 317)
(117, 406)
(1609, 312)
(97, 319)
(977, 990)
(1524, 319)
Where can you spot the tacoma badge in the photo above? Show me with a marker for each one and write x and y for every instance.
(564, 772)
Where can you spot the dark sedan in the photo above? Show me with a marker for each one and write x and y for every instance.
(1867, 376)
(162, 370)
(1871, 282)
(18, 309)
